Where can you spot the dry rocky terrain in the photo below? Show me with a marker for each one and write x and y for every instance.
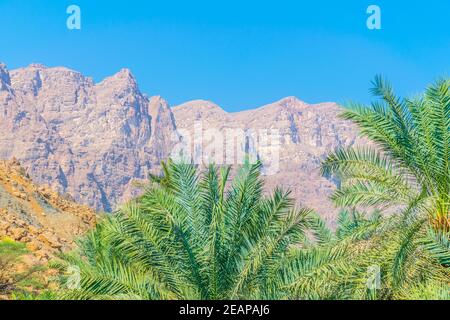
(35, 215)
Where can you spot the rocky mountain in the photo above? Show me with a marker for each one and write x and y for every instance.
(35, 215)
(306, 133)
(88, 140)
(92, 140)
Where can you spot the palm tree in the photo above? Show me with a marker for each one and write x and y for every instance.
(374, 241)
(193, 236)
(406, 169)
(201, 236)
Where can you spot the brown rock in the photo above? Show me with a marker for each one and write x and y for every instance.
(33, 246)
(32, 230)
(50, 239)
(42, 255)
(25, 239)
(17, 233)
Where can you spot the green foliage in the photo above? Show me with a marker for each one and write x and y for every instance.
(407, 169)
(11, 250)
(11, 253)
(409, 163)
(200, 236)
(190, 237)
(405, 264)
(42, 295)
(15, 283)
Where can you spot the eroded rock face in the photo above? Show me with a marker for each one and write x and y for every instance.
(307, 133)
(88, 140)
(92, 140)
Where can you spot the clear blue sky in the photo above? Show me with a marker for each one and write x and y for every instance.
(240, 54)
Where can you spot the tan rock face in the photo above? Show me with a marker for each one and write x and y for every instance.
(88, 140)
(92, 140)
(307, 133)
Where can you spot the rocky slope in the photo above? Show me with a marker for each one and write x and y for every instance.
(45, 221)
(92, 140)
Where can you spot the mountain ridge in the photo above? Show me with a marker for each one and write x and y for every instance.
(92, 140)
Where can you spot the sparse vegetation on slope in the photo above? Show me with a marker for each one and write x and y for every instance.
(35, 224)
(19, 276)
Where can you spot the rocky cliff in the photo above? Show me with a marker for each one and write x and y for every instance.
(306, 133)
(91, 140)
(88, 140)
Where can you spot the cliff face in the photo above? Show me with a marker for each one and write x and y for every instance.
(306, 134)
(81, 138)
(91, 140)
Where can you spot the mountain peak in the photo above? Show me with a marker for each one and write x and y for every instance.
(124, 76)
(93, 140)
(124, 73)
(57, 71)
(290, 101)
(199, 105)
(37, 66)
